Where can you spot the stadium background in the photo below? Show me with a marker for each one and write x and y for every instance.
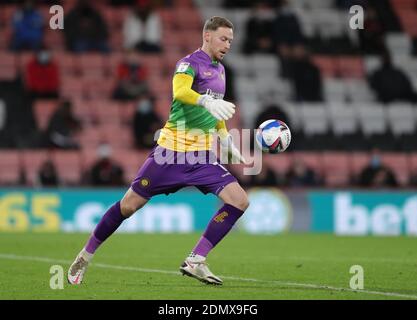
(336, 134)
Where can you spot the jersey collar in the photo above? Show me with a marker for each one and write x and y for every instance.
(207, 57)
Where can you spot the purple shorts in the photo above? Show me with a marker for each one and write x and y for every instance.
(167, 171)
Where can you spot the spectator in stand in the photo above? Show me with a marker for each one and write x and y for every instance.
(142, 29)
(376, 174)
(47, 175)
(271, 111)
(42, 76)
(300, 175)
(145, 123)
(132, 78)
(27, 28)
(371, 37)
(85, 29)
(390, 83)
(265, 178)
(106, 172)
(287, 36)
(62, 128)
(259, 29)
(306, 78)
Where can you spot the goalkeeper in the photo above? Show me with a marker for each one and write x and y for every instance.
(198, 89)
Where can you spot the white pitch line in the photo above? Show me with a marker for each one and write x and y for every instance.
(282, 283)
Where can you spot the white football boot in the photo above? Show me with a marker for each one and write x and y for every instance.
(196, 267)
(78, 268)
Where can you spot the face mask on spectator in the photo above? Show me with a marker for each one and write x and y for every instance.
(144, 106)
(375, 161)
(44, 57)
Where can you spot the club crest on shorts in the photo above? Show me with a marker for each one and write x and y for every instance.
(144, 182)
(221, 216)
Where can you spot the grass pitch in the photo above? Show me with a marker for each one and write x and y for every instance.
(145, 266)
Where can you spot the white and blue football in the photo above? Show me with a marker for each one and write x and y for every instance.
(273, 136)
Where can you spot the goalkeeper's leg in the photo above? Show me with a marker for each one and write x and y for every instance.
(236, 202)
(108, 224)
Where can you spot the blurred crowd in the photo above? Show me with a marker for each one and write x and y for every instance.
(272, 28)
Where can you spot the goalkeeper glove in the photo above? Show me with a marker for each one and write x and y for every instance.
(227, 147)
(220, 109)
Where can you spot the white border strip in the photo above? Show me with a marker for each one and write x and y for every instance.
(282, 283)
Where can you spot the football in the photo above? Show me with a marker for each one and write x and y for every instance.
(273, 136)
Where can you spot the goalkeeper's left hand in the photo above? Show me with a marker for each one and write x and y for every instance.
(227, 147)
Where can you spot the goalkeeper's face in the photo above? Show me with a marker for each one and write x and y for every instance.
(219, 42)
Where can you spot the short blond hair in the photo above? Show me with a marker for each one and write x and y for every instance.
(216, 22)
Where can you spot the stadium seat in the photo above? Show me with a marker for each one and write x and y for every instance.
(358, 91)
(398, 43)
(126, 112)
(32, 161)
(8, 67)
(90, 137)
(412, 161)
(327, 66)
(68, 165)
(131, 161)
(279, 163)
(343, 120)
(335, 90)
(401, 118)
(43, 110)
(10, 167)
(372, 119)
(351, 67)
(314, 119)
(359, 160)
(336, 169)
(311, 159)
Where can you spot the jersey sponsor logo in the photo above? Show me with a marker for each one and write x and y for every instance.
(183, 66)
(221, 216)
(144, 182)
(215, 95)
(207, 73)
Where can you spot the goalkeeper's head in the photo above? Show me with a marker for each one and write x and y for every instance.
(217, 37)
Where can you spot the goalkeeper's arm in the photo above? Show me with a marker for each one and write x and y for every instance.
(226, 143)
(182, 91)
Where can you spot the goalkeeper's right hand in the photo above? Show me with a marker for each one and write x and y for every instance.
(220, 109)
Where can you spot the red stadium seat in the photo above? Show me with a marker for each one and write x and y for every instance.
(351, 67)
(131, 161)
(32, 161)
(336, 169)
(66, 63)
(10, 166)
(311, 159)
(68, 165)
(412, 160)
(8, 66)
(106, 111)
(163, 107)
(90, 137)
(278, 163)
(126, 112)
(327, 65)
(43, 110)
(398, 162)
(359, 160)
